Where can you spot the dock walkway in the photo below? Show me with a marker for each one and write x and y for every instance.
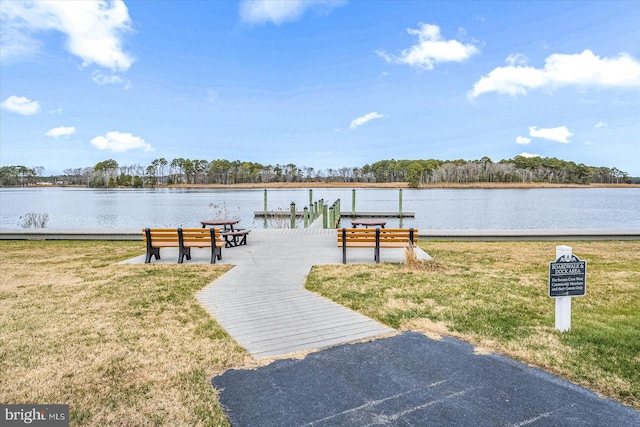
(262, 302)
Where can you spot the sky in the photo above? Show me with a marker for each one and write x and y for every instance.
(322, 84)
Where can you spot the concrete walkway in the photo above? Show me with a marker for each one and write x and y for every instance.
(262, 302)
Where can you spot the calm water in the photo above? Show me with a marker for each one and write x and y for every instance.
(593, 208)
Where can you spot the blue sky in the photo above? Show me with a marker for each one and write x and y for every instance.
(324, 84)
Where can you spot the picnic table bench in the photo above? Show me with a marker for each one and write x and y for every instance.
(184, 239)
(235, 237)
(376, 238)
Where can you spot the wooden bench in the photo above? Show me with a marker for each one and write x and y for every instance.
(184, 239)
(375, 238)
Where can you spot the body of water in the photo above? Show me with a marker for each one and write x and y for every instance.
(544, 208)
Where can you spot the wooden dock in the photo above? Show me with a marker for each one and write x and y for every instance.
(349, 214)
(361, 214)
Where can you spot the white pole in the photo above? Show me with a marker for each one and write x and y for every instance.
(563, 304)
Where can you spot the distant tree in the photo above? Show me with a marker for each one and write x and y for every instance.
(177, 170)
(162, 162)
(106, 172)
(278, 171)
(414, 173)
(8, 175)
(150, 175)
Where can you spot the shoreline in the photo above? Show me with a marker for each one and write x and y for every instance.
(399, 185)
(478, 235)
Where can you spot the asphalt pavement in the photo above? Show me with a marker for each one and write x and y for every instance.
(410, 380)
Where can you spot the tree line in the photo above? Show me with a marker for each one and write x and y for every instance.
(160, 172)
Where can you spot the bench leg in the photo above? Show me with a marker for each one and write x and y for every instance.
(184, 252)
(344, 245)
(152, 252)
(216, 253)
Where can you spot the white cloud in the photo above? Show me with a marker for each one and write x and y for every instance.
(601, 124)
(118, 142)
(431, 49)
(20, 105)
(558, 134)
(104, 79)
(61, 131)
(279, 11)
(364, 119)
(94, 29)
(529, 155)
(523, 140)
(517, 59)
(14, 43)
(582, 69)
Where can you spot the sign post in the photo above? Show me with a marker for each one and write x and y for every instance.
(567, 279)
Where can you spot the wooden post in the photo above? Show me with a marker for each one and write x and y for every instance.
(324, 215)
(265, 208)
(293, 214)
(306, 217)
(265, 202)
(310, 196)
(332, 217)
(353, 202)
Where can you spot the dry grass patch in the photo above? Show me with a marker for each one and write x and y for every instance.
(495, 296)
(121, 344)
(416, 264)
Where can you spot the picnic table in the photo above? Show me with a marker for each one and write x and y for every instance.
(368, 223)
(227, 224)
(232, 236)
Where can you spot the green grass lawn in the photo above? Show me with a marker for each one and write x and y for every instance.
(121, 344)
(495, 295)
